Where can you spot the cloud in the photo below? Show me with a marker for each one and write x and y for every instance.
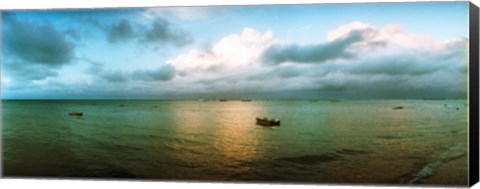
(368, 50)
(33, 50)
(73, 34)
(165, 72)
(319, 53)
(234, 64)
(288, 71)
(92, 22)
(114, 76)
(95, 67)
(36, 42)
(155, 32)
(21, 71)
(120, 32)
(413, 64)
(230, 53)
(162, 30)
(403, 53)
(356, 58)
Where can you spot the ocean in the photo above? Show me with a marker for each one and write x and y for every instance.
(347, 141)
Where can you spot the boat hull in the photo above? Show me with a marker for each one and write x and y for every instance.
(268, 122)
(76, 113)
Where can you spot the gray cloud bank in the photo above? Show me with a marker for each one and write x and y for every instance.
(318, 53)
(35, 49)
(164, 72)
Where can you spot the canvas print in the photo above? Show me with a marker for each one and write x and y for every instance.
(373, 93)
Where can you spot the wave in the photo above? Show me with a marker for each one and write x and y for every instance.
(430, 169)
(322, 158)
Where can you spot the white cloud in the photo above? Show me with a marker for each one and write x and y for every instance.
(345, 29)
(229, 54)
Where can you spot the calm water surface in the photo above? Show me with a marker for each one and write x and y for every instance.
(352, 141)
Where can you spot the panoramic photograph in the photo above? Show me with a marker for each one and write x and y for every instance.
(369, 93)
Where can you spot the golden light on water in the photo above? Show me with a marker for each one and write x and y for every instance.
(233, 135)
(235, 138)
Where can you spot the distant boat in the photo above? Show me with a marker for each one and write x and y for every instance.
(246, 100)
(223, 100)
(434, 99)
(76, 113)
(398, 108)
(268, 122)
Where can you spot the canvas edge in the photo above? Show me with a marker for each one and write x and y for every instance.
(473, 95)
(1, 92)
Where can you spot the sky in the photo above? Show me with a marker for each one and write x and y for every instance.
(372, 50)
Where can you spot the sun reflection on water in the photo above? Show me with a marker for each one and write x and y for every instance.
(221, 132)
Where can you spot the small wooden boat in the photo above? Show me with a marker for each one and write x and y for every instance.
(268, 122)
(76, 113)
(398, 108)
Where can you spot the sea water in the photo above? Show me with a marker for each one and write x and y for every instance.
(348, 141)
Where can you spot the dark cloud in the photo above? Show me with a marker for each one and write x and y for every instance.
(398, 65)
(95, 67)
(277, 54)
(163, 73)
(73, 34)
(114, 76)
(281, 71)
(22, 71)
(159, 32)
(36, 42)
(413, 63)
(288, 71)
(120, 32)
(162, 31)
(33, 49)
(429, 81)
